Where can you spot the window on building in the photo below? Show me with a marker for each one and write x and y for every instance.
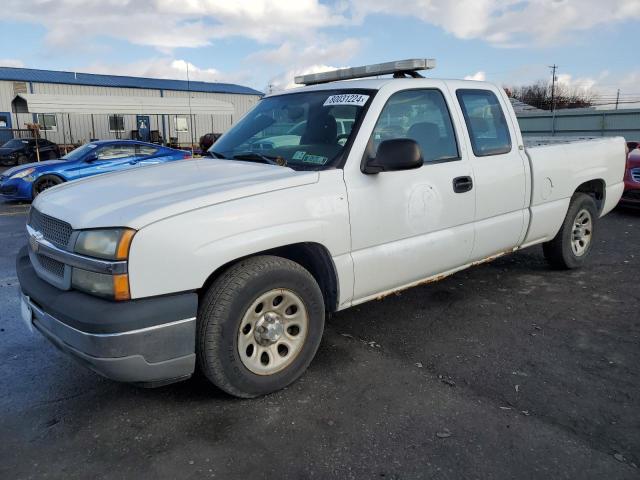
(181, 124)
(47, 121)
(485, 121)
(116, 123)
(423, 116)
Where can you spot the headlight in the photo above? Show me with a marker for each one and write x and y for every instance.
(109, 244)
(23, 173)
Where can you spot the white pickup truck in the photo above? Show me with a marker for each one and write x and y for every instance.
(230, 264)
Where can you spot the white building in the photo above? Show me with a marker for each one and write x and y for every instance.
(75, 107)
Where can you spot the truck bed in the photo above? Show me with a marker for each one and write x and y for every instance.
(535, 141)
(559, 165)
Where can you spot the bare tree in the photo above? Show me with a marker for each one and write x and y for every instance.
(538, 95)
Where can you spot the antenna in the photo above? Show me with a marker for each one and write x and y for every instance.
(553, 68)
(190, 114)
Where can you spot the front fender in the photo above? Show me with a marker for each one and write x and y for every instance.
(179, 253)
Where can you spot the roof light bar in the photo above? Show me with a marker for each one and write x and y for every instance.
(400, 67)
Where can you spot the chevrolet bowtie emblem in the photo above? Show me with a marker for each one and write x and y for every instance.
(34, 240)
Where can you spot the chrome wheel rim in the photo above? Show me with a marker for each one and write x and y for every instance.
(582, 233)
(272, 332)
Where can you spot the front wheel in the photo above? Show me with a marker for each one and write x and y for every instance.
(571, 246)
(45, 182)
(259, 326)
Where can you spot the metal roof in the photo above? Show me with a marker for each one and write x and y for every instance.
(87, 104)
(77, 78)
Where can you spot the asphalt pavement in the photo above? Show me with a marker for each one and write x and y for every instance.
(506, 370)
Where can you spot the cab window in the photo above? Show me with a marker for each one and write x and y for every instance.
(485, 121)
(423, 116)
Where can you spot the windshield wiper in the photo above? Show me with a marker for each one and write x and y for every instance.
(213, 154)
(258, 157)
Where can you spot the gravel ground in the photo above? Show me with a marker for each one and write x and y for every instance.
(506, 370)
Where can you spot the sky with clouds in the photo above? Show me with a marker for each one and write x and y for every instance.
(264, 43)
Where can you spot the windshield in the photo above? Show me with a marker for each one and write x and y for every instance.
(79, 152)
(15, 143)
(306, 130)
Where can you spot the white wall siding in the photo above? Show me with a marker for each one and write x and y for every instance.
(78, 128)
(6, 96)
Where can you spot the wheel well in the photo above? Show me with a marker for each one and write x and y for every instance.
(315, 258)
(596, 190)
(33, 187)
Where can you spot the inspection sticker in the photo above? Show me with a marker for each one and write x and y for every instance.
(346, 99)
(299, 155)
(315, 159)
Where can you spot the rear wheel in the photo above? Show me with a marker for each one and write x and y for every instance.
(259, 326)
(45, 182)
(572, 245)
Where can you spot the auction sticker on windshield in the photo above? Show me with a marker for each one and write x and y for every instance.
(346, 99)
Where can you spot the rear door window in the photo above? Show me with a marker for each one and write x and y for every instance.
(485, 121)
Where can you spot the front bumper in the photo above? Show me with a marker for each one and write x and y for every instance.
(148, 341)
(16, 189)
(631, 194)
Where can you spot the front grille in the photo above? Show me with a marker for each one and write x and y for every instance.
(52, 266)
(52, 229)
(635, 174)
(631, 195)
(9, 190)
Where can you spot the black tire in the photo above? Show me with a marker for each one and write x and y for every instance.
(45, 182)
(559, 252)
(23, 160)
(221, 313)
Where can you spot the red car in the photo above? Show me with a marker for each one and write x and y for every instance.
(631, 195)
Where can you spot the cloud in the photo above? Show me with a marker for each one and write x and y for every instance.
(506, 23)
(11, 62)
(293, 54)
(478, 76)
(170, 24)
(166, 67)
(285, 81)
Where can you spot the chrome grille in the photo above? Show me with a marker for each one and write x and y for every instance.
(635, 174)
(53, 230)
(52, 266)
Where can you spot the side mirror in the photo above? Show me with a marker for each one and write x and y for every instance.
(395, 154)
(92, 157)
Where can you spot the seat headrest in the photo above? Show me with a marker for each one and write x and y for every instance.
(321, 128)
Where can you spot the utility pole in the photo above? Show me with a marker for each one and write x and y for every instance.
(553, 68)
(617, 99)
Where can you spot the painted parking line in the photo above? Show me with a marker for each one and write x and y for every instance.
(12, 214)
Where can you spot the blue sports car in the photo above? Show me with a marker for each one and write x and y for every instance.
(25, 182)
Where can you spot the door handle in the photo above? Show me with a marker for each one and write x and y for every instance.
(462, 184)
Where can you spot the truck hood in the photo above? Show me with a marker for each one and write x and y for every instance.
(138, 197)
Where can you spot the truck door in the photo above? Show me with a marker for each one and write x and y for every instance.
(498, 170)
(412, 224)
